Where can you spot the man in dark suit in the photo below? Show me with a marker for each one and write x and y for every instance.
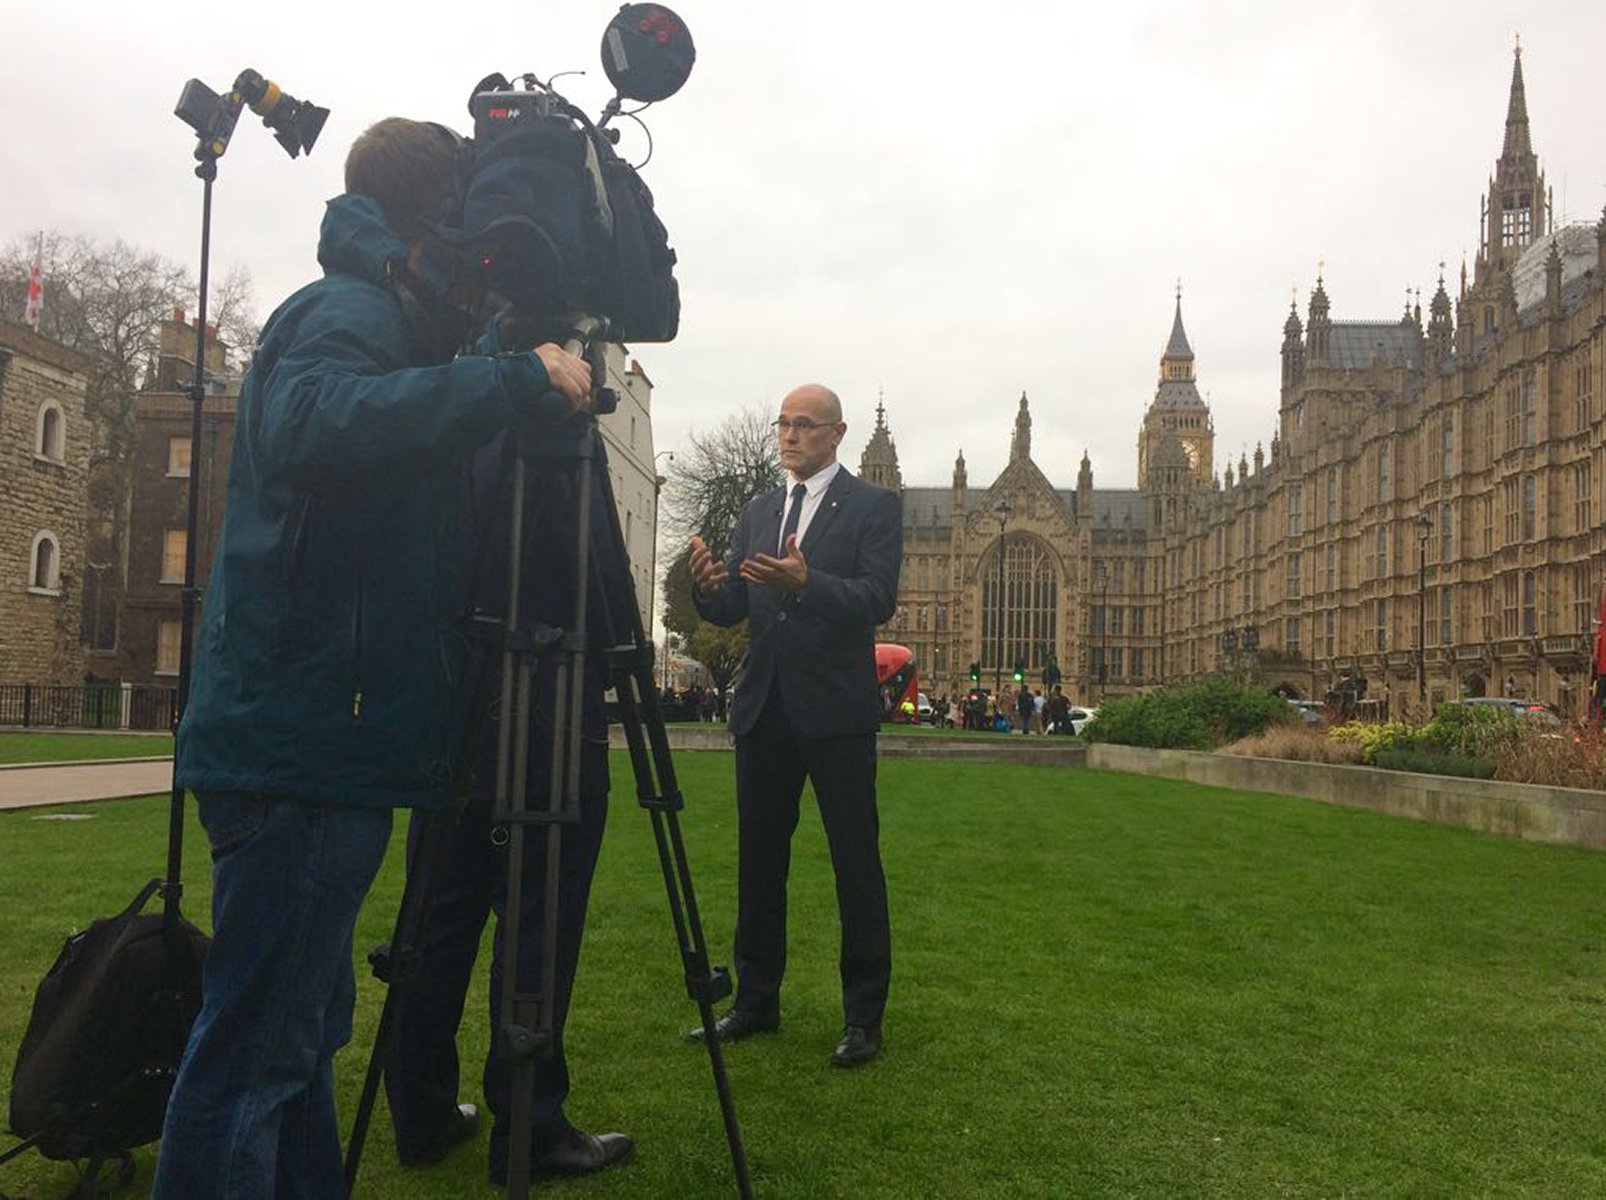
(813, 568)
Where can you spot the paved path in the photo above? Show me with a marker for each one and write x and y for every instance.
(72, 783)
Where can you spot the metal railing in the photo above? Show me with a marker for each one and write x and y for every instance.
(87, 706)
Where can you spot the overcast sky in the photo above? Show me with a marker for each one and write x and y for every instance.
(944, 204)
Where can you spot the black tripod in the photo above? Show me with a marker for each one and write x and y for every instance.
(603, 622)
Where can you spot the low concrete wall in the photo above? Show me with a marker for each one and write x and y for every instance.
(1519, 810)
(1022, 751)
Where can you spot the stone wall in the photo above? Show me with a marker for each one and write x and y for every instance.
(1519, 810)
(41, 494)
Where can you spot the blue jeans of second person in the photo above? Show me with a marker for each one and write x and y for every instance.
(252, 1113)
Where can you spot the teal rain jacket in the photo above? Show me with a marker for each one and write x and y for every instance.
(330, 646)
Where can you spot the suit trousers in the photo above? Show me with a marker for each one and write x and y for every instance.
(772, 762)
(422, 1074)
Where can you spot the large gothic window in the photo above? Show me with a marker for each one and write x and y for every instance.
(1028, 605)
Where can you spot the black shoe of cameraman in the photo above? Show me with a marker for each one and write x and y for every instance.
(575, 1153)
(462, 1124)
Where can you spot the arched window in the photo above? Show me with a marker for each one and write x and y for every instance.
(1029, 608)
(44, 564)
(51, 442)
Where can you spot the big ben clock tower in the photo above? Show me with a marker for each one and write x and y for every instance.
(1177, 411)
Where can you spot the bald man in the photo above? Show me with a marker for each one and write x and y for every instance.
(813, 568)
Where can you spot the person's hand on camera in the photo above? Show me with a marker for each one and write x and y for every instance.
(708, 572)
(569, 375)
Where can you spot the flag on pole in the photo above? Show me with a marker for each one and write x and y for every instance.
(36, 288)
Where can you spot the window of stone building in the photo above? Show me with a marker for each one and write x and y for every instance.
(50, 443)
(1488, 524)
(1488, 433)
(922, 615)
(1513, 414)
(923, 572)
(1291, 587)
(1221, 600)
(1332, 568)
(1140, 575)
(1029, 605)
(1446, 610)
(1117, 619)
(1331, 638)
(173, 546)
(1137, 620)
(1446, 533)
(178, 457)
(1584, 596)
(169, 639)
(1248, 547)
(1385, 472)
(1333, 485)
(1097, 621)
(1488, 617)
(1583, 483)
(1296, 510)
(1530, 604)
(1516, 221)
(942, 618)
(1118, 575)
(1291, 635)
(1247, 605)
(1380, 625)
(1583, 392)
(1510, 495)
(1509, 600)
(1530, 507)
(1115, 662)
(44, 564)
(1383, 565)
(1137, 663)
(1447, 445)
(1530, 408)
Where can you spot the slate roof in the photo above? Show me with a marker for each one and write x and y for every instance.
(1353, 345)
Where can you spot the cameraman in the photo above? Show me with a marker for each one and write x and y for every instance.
(328, 654)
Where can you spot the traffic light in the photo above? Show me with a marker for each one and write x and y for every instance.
(1020, 671)
(975, 672)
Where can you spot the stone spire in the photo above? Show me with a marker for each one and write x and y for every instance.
(1319, 325)
(1020, 445)
(1516, 210)
(879, 462)
(1293, 348)
(960, 479)
(1441, 327)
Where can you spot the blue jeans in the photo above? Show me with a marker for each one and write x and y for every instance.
(253, 1113)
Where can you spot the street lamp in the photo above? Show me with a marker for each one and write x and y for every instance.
(1424, 530)
(998, 679)
(658, 482)
(1104, 631)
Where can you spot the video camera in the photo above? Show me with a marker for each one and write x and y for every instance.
(551, 218)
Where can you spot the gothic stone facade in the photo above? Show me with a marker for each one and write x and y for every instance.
(1429, 517)
(44, 468)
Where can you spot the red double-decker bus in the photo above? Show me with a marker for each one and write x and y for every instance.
(900, 681)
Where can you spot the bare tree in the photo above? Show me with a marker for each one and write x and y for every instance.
(713, 479)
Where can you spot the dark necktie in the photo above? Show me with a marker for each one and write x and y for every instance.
(792, 515)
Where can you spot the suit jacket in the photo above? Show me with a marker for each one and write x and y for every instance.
(817, 648)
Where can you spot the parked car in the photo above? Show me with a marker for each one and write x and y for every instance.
(1079, 718)
(1528, 710)
(923, 710)
(1311, 712)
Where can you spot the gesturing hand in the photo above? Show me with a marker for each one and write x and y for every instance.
(787, 575)
(708, 572)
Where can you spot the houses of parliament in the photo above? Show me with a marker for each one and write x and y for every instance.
(1428, 516)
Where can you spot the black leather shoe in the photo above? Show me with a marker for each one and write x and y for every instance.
(463, 1124)
(577, 1153)
(859, 1044)
(739, 1023)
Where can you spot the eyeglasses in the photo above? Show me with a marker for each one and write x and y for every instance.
(784, 425)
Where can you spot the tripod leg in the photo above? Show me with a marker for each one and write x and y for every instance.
(659, 793)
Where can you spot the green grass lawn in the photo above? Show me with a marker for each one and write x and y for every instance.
(1104, 986)
(34, 747)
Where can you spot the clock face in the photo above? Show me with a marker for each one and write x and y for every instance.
(1192, 449)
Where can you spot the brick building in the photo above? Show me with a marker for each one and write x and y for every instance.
(44, 469)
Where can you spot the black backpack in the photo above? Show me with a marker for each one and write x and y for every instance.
(108, 1028)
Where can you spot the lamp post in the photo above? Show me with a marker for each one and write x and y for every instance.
(1104, 631)
(658, 482)
(1424, 530)
(998, 678)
